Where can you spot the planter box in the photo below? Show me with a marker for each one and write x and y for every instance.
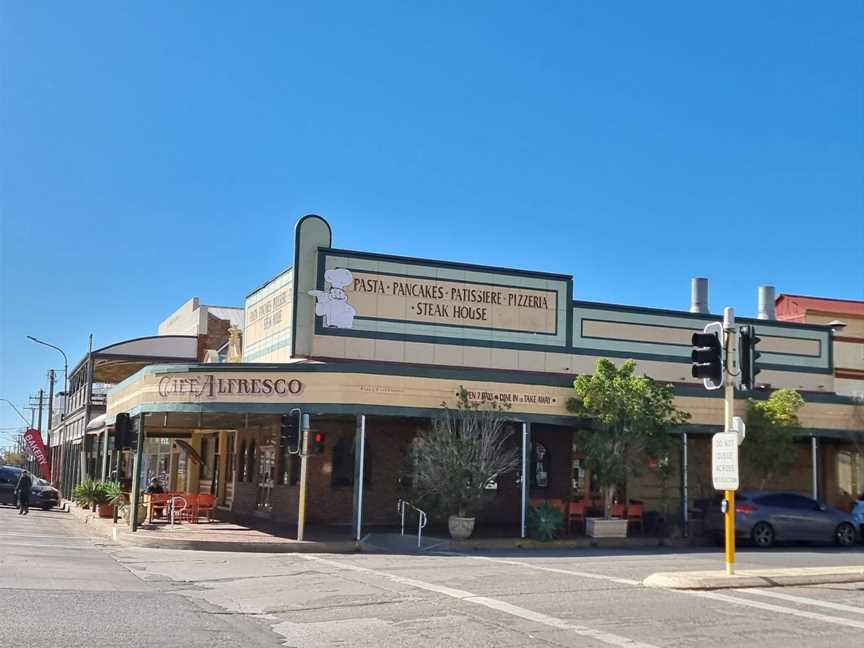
(105, 510)
(602, 528)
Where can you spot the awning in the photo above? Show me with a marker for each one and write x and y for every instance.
(189, 450)
(96, 425)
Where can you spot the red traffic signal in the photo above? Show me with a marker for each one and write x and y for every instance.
(316, 443)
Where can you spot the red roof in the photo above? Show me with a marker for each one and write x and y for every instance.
(795, 306)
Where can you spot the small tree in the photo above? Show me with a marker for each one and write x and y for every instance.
(465, 449)
(771, 427)
(631, 418)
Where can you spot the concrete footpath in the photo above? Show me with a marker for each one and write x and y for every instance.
(211, 536)
(744, 578)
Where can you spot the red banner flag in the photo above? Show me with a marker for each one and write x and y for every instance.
(33, 438)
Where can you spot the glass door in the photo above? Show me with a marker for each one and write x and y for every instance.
(266, 473)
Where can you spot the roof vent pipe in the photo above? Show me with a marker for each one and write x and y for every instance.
(699, 295)
(766, 303)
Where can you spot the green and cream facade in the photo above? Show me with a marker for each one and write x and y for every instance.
(378, 342)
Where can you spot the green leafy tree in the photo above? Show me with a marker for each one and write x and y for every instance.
(771, 429)
(12, 458)
(465, 449)
(631, 417)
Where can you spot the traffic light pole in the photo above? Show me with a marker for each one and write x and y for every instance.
(304, 457)
(729, 373)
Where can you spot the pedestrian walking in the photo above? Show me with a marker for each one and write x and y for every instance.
(22, 490)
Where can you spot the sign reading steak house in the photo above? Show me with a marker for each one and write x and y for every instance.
(211, 386)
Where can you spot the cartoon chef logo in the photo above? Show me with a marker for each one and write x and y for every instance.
(333, 304)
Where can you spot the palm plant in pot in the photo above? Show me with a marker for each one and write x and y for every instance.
(630, 418)
(455, 460)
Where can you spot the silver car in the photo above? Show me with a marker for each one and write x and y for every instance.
(768, 516)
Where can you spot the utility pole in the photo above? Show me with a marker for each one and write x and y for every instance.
(51, 381)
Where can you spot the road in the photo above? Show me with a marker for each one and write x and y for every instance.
(561, 598)
(60, 588)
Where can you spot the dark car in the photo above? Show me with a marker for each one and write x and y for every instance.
(768, 516)
(42, 494)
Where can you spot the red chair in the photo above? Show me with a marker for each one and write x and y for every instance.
(617, 510)
(575, 513)
(206, 504)
(634, 515)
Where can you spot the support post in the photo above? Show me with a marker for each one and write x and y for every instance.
(304, 458)
(359, 476)
(729, 372)
(51, 381)
(685, 488)
(814, 458)
(526, 431)
(136, 473)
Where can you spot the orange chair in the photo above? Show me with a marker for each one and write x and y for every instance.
(575, 513)
(634, 515)
(206, 504)
(617, 510)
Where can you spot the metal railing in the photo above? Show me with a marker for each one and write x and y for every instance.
(421, 520)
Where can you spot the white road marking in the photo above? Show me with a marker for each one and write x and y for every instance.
(716, 596)
(776, 608)
(804, 600)
(556, 570)
(493, 604)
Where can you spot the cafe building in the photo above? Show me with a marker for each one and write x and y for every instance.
(371, 346)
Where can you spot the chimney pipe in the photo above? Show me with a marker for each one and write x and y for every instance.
(699, 295)
(766, 303)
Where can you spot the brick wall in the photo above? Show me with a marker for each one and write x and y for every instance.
(216, 337)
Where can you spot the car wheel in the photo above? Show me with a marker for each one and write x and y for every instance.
(845, 535)
(763, 535)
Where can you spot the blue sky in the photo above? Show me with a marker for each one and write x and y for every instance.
(151, 153)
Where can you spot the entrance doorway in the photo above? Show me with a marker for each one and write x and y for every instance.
(266, 474)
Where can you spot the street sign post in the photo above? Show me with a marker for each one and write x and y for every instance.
(724, 461)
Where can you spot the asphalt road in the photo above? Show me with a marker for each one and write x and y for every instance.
(91, 595)
(58, 588)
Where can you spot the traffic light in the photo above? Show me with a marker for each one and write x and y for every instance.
(316, 443)
(289, 432)
(122, 432)
(747, 357)
(708, 355)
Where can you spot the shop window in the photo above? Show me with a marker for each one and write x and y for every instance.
(342, 474)
(539, 466)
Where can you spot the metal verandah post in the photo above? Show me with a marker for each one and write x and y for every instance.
(685, 486)
(526, 430)
(814, 458)
(136, 473)
(359, 464)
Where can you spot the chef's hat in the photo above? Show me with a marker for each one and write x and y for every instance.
(338, 277)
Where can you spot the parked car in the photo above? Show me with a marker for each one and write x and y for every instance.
(42, 494)
(768, 516)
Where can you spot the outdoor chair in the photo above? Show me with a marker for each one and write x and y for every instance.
(575, 513)
(206, 504)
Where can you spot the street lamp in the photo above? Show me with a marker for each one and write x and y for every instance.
(65, 364)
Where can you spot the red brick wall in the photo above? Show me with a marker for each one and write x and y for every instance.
(216, 337)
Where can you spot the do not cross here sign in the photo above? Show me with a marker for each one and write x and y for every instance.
(724, 461)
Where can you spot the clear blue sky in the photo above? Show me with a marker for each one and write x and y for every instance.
(154, 152)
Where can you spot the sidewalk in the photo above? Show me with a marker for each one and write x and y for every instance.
(228, 536)
(215, 536)
(796, 576)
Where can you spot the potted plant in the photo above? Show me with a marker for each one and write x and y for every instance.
(454, 462)
(85, 494)
(110, 494)
(630, 417)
